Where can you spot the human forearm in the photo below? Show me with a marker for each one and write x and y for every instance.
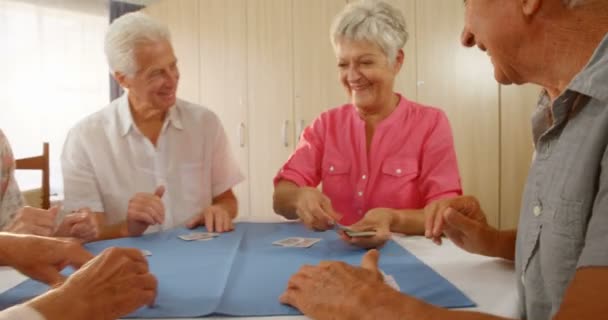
(391, 304)
(284, 199)
(503, 246)
(7, 246)
(60, 305)
(113, 231)
(407, 221)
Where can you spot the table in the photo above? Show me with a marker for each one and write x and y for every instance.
(489, 282)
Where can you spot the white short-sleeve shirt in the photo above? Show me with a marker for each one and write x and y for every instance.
(20, 312)
(106, 160)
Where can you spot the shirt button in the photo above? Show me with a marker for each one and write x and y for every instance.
(363, 177)
(398, 171)
(537, 211)
(331, 169)
(360, 193)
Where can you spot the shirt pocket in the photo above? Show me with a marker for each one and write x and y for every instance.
(401, 169)
(336, 179)
(195, 190)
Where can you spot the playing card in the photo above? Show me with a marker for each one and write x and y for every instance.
(359, 234)
(287, 242)
(198, 236)
(146, 252)
(307, 242)
(297, 242)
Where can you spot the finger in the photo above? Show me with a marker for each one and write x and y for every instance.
(140, 216)
(229, 224)
(429, 219)
(78, 256)
(438, 224)
(458, 221)
(219, 221)
(195, 221)
(370, 260)
(329, 211)
(209, 222)
(50, 276)
(129, 253)
(306, 217)
(37, 230)
(160, 190)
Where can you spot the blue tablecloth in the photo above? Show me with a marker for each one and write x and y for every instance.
(242, 274)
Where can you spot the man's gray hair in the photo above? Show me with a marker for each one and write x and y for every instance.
(374, 21)
(125, 33)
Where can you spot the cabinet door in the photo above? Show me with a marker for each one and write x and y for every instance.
(516, 106)
(181, 16)
(270, 97)
(223, 76)
(316, 83)
(461, 82)
(406, 80)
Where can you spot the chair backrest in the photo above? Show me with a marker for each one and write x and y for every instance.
(39, 163)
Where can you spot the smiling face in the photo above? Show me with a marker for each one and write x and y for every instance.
(154, 85)
(496, 27)
(365, 73)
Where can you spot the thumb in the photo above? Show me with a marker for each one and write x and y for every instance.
(160, 190)
(457, 220)
(53, 211)
(370, 260)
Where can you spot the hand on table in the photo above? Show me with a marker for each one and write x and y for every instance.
(378, 220)
(82, 225)
(29, 220)
(215, 218)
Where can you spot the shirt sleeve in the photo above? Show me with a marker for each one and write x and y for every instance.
(20, 312)
(596, 239)
(11, 198)
(439, 174)
(304, 165)
(225, 172)
(80, 183)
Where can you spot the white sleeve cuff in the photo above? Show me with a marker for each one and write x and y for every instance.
(20, 312)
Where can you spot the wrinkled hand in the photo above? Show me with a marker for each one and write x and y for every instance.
(434, 220)
(215, 218)
(113, 284)
(378, 220)
(462, 221)
(315, 209)
(33, 221)
(335, 290)
(145, 209)
(42, 258)
(82, 225)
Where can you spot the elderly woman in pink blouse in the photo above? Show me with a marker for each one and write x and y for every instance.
(380, 158)
(16, 218)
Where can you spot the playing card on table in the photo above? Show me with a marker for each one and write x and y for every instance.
(145, 252)
(198, 236)
(297, 242)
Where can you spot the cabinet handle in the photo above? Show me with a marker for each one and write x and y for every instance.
(242, 134)
(285, 138)
(300, 128)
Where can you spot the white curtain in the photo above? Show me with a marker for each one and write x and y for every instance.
(52, 74)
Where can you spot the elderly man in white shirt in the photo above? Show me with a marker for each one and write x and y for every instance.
(111, 285)
(149, 161)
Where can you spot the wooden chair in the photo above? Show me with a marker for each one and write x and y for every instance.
(39, 163)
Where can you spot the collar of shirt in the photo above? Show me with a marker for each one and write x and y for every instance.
(125, 118)
(396, 114)
(592, 80)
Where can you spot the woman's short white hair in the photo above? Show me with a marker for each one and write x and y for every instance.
(373, 21)
(125, 33)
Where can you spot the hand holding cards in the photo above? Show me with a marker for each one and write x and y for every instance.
(355, 234)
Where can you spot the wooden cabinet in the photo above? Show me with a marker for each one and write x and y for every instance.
(267, 68)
